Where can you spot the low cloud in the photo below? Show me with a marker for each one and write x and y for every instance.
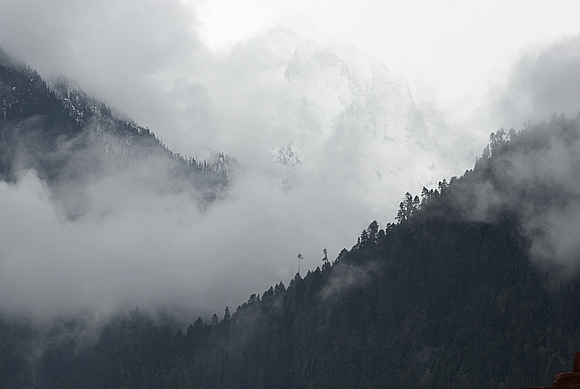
(541, 184)
(538, 180)
(544, 80)
(134, 244)
(143, 58)
(556, 241)
(346, 276)
(129, 236)
(130, 242)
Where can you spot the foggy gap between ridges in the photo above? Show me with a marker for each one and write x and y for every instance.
(137, 246)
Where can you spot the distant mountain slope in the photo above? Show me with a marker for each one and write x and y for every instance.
(69, 138)
(456, 294)
(350, 121)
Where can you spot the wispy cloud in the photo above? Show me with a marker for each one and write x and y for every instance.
(138, 245)
(545, 80)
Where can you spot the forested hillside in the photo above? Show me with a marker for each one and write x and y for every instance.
(69, 138)
(473, 286)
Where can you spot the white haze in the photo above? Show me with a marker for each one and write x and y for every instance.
(544, 82)
(138, 247)
(135, 246)
(549, 222)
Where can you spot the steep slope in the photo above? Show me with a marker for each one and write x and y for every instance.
(448, 297)
(70, 139)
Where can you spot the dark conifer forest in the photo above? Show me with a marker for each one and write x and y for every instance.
(466, 289)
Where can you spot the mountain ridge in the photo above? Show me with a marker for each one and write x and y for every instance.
(57, 130)
(448, 296)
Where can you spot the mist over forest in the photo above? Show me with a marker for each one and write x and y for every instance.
(131, 218)
(178, 216)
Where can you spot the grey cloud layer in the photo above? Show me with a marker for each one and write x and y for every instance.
(539, 181)
(544, 81)
(141, 57)
(136, 246)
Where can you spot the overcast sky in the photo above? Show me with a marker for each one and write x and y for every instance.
(452, 49)
(450, 52)
(472, 67)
